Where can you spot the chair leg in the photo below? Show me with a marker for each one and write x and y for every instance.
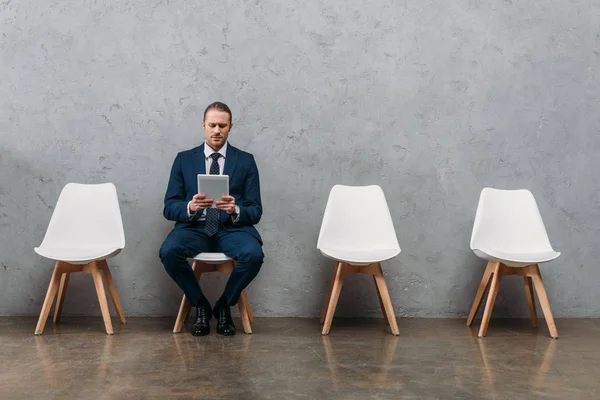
(112, 290)
(489, 306)
(480, 292)
(248, 308)
(62, 291)
(324, 311)
(243, 307)
(184, 310)
(530, 300)
(338, 282)
(50, 295)
(544, 303)
(388, 309)
(381, 301)
(185, 307)
(98, 282)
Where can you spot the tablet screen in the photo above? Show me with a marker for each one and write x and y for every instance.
(213, 186)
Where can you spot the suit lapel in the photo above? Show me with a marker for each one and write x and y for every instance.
(199, 161)
(230, 162)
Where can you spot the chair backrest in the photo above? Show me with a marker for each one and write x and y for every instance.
(357, 217)
(509, 220)
(86, 216)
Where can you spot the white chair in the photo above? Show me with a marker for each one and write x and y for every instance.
(215, 262)
(84, 231)
(509, 233)
(357, 232)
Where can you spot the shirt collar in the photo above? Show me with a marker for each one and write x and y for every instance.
(208, 151)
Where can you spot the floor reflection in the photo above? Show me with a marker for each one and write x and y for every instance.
(541, 345)
(379, 362)
(51, 354)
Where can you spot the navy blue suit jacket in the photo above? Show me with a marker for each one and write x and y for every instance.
(244, 186)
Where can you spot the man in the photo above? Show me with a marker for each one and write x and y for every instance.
(228, 228)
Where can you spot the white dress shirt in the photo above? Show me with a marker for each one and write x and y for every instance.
(208, 151)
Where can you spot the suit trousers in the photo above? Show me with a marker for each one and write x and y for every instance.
(186, 242)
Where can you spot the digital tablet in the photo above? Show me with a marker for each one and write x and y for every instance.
(213, 186)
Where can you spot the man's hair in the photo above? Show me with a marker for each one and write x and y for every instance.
(217, 105)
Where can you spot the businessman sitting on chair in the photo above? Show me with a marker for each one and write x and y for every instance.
(228, 228)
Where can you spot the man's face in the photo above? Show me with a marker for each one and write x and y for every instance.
(216, 128)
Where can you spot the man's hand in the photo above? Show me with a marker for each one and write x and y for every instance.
(227, 204)
(200, 202)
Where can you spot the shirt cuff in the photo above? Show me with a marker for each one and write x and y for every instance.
(235, 217)
(189, 214)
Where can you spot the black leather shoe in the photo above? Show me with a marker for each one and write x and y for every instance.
(225, 324)
(201, 326)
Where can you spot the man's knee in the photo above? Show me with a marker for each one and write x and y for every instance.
(252, 255)
(170, 252)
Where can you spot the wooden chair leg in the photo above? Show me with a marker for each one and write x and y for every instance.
(489, 306)
(185, 307)
(381, 301)
(112, 290)
(388, 309)
(249, 311)
(198, 268)
(62, 291)
(544, 303)
(530, 300)
(184, 310)
(481, 291)
(50, 295)
(338, 282)
(98, 282)
(326, 304)
(243, 307)
(248, 308)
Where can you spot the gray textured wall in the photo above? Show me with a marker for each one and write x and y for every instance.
(432, 100)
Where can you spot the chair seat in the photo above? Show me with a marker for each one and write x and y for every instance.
(78, 255)
(212, 258)
(359, 256)
(516, 259)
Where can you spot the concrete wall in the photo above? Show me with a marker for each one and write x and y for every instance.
(432, 100)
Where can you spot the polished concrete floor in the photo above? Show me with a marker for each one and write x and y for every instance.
(287, 358)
